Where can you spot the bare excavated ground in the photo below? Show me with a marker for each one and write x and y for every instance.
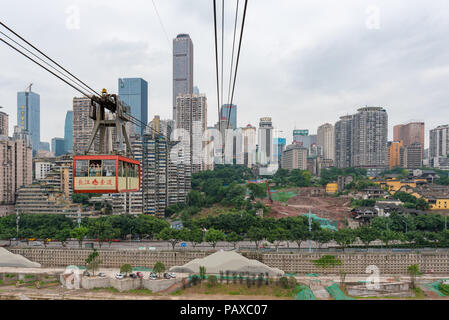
(59, 293)
(332, 208)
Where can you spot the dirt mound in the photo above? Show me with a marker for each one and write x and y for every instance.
(9, 259)
(226, 261)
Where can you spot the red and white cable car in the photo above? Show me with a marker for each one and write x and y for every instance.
(107, 170)
(105, 174)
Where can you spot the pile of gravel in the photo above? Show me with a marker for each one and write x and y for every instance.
(227, 261)
(9, 259)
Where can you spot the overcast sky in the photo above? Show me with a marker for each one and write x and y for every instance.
(303, 63)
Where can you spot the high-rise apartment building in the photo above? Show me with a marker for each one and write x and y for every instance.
(294, 157)
(303, 139)
(16, 166)
(68, 132)
(58, 146)
(4, 124)
(134, 93)
(369, 139)
(280, 144)
(191, 122)
(82, 125)
(439, 146)
(342, 136)
(182, 68)
(265, 141)
(229, 111)
(29, 115)
(326, 139)
(413, 156)
(249, 136)
(410, 133)
(395, 154)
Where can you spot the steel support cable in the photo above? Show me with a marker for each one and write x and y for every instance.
(36, 56)
(24, 54)
(238, 51)
(232, 62)
(222, 52)
(75, 85)
(21, 38)
(216, 65)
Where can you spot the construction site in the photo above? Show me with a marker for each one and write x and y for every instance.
(326, 209)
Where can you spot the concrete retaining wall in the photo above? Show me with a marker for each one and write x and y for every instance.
(127, 284)
(353, 263)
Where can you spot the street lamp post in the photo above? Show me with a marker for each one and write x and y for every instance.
(17, 227)
(310, 230)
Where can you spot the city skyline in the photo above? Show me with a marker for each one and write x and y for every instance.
(380, 72)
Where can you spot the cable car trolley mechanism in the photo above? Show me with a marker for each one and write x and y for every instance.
(111, 169)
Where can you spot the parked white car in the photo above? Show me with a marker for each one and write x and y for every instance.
(172, 274)
(152, 276)
(101, 274)
(119, 276)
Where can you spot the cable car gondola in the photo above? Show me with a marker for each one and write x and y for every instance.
(105, 174)
(108, 170)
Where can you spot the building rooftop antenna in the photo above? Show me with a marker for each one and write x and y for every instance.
(28, 88)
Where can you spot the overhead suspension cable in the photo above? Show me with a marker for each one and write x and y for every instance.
(216, 64)
(42, 60)
(232, 61)
(222, 53)
(21, 38)
(238, 53)
(74, 84)
(24, 54)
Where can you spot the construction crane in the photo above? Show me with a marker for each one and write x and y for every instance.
(269, 191)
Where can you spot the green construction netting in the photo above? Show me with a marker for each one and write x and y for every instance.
(335, 292)
(304, 293)
(282, 196)
(433, 286)
(325, 223)
(290, 274)
(312, 275)
(142, 269)
(228, 277)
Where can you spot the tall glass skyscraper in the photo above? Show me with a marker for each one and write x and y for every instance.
(182, 67)
(134, 93)
(68, 132)
(57, 146)
(29, 115)
(228, 110)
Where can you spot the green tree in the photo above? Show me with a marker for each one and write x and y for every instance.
(387, 236)
(171, 235)
(79, 234)
(93, 261)
(256, 235)
(196, 236)
(126, 268)
(159, 268)
(202, 272)
(213, 236)
(234, 238)
(344, 237)
(322, 236)
(276, 236)
(299, 233)
(367, 235)
(63, 235)
(257, 190)
(195, 199)
(413, 271)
